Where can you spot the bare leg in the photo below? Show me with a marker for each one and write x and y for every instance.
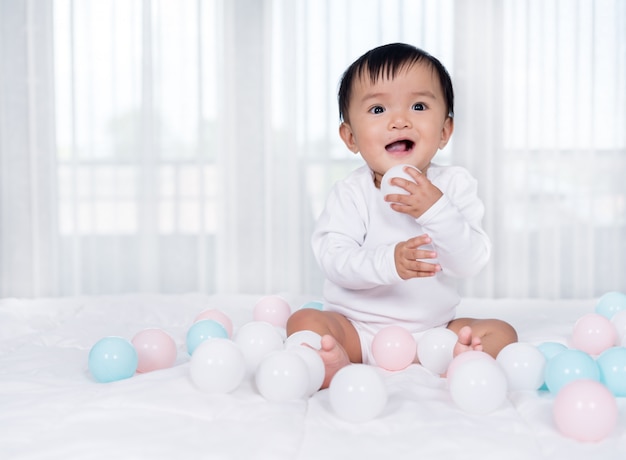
(488, 335)
(340, 341)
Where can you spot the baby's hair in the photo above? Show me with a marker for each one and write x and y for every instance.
(385, 61)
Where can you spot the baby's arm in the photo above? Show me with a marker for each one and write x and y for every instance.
(453, 220)
(338, 245)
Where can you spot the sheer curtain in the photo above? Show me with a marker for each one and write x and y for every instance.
(176, 146)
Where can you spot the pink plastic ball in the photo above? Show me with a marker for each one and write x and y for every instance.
(272, 309)
(216, 315)
(156, 350)
(585, 410)
(394, 348)
(593, 333)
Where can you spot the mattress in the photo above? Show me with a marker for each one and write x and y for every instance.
(51, 407)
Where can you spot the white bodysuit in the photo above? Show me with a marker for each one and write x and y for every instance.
(354, 241)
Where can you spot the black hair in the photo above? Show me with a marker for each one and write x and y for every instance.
(386, 61)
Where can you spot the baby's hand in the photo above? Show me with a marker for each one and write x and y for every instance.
(407, 255)
(422, 194)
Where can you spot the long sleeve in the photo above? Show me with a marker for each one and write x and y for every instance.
(339, 244)
(454, 224)
(354, 242)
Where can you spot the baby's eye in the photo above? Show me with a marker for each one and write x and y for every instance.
(377, 109)
(419, 106)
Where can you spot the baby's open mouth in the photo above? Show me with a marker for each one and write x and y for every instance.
(404, 145)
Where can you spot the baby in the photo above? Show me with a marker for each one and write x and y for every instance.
(394, 259)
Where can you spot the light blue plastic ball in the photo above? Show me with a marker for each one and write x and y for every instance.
(610, 303)
(203, 330)
(112, 359)
(612, 364)
(567, 366)
(314, 304)
(550, 350)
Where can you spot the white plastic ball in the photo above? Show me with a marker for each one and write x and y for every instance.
(357, 393)
(257, 339)
(435, 349)
(523, 365)
(465, 357)
(217, 366)
(478, 386)
(315, 365)
(396, 171)
(313, 339)
(619, 321)
(282, 376)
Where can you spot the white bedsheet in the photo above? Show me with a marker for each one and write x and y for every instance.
(51, 407)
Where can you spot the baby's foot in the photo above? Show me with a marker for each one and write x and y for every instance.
(467, 342)
(334, 357)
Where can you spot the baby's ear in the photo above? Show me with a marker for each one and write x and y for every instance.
(347, 136)
(446, 132)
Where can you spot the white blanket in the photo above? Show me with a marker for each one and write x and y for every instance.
(52, 408)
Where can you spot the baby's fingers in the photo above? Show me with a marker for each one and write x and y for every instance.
(418, 241)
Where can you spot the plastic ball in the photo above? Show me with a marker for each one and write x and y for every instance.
(478, 386)
(612, 364)
(313, 339)
(272, 309)
(435, 349)
(585, 410)
(610, 303)
(217, 366)
(387, 188)
(394, 348)
(315, 365)
(471, 355)
(112, 359)
(357, 393)
(282, 376)
(218, 316)
(523, 365)
(203, 330)
(593, 333)
(568, 366)
(551, 349)
(315, 305)
(257, 339)
(155, 348)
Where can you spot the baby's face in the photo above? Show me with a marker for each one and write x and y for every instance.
(403, 120)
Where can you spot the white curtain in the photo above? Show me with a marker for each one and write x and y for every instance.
(188, 145)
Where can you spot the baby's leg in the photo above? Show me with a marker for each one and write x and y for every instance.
(488, 335)
(340, 341)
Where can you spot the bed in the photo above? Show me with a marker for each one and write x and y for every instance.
(52, 408)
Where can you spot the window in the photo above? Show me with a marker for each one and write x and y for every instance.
(177, 146)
